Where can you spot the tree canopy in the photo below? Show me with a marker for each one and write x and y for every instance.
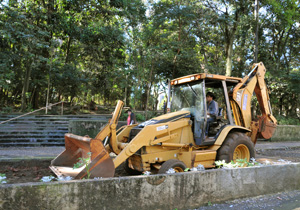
(103, 50)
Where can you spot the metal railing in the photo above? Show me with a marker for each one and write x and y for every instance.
(46, 108)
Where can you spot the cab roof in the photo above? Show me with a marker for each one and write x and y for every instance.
(201, 76)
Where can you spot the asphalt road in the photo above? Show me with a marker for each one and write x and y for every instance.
(263, 149)
(279, 201)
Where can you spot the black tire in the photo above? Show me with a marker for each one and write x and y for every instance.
(178, 166)
(129, 170)
(236, 146)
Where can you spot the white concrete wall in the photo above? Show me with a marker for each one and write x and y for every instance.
(182, 191)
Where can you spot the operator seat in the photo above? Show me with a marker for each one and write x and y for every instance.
(215, 125)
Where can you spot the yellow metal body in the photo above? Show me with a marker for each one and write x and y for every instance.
(174, 142)
(157, 143)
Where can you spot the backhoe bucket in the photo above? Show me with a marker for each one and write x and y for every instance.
(78, 147)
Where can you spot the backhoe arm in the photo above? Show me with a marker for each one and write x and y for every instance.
(110, 129)
(241, 104)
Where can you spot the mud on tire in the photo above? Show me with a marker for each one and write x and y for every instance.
(236, 141)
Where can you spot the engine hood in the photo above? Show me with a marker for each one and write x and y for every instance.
(165, 118)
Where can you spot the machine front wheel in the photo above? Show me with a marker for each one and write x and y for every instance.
(177, 165)
(129, 170)
(236, 146)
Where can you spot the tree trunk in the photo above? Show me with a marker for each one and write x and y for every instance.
(293, 110)
(1, 97)
(281, 105)
(178, 50)
(36, 98)
(125, 94)
(68, 49)
(25, 85)
(256, 31)
(229, 56)
(229, 36)
(149, 87)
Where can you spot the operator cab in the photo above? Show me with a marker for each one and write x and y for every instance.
(189, 93)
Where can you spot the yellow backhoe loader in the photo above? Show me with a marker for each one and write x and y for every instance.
(177, 139)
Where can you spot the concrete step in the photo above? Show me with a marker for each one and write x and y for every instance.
(24, 128)
(34, 126)
(32, 144)
(34, 122)
(34, 130)
(2, 117)
(50, 120)
(32, 139)
(39, 130)
(36, 135)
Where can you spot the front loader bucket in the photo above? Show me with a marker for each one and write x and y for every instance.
(100, 165)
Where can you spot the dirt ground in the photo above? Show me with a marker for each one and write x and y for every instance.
(33, 170)
(288, 154)
(24, 171)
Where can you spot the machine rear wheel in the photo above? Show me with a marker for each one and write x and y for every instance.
(236, 146)
(177, 165)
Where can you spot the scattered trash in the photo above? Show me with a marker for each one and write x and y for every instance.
(97, 178)
(62, 178)
(47, 178)
(146, 173)
(228, 166)
(171, 171)
(200, 168)
(284, 161)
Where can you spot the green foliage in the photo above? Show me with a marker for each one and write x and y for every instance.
(282, 120)
(123, 116)
(110, 50)
(140, 117)
(2, 179)
(84, 162)
(236, 164)
(6, 110)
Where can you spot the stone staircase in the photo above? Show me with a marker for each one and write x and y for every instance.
(39, 130)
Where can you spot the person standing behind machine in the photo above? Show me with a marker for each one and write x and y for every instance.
(131, 117)
(212, 110)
